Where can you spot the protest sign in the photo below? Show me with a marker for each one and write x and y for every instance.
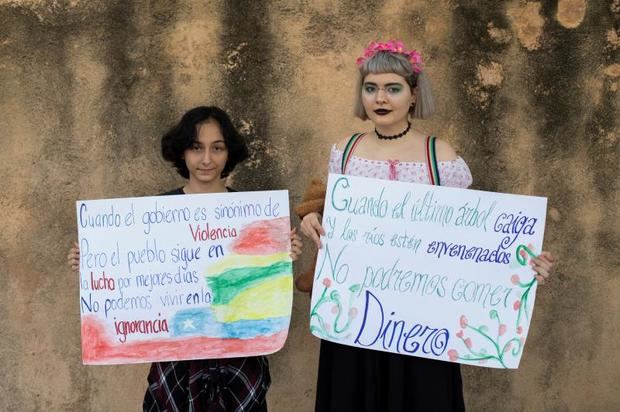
(184, 277)
(429, 271)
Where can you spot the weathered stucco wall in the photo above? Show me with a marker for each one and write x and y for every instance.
(527, 93)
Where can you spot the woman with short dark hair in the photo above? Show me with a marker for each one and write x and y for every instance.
(183, 135)
(205, 147)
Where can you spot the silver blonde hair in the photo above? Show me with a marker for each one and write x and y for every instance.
(388, 62)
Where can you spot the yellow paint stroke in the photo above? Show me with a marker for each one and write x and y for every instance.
(270, 299)
(243, 261)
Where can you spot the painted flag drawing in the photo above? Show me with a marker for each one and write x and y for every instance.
(226, 293)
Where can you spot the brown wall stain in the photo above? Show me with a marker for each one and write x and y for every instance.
(612, 71)
(526, 92)
(501, 36)
(192, 42)
(571, 12)
(613, 38)
(527, 22)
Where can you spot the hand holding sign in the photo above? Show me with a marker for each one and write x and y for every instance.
(429, 271)
(184, 277)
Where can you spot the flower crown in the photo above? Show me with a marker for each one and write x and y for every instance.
(392, 46)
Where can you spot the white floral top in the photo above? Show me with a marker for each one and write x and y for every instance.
(452, 173)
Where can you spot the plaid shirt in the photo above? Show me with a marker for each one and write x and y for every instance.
(209, 385)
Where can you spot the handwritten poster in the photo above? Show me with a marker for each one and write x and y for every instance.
(184, 277)
(427, 271)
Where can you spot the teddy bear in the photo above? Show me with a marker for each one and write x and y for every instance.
(312, 201)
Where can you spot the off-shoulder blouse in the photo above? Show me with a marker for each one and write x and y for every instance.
(452, 173)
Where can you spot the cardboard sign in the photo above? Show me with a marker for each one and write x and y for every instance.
(184, 277)
(429, 271)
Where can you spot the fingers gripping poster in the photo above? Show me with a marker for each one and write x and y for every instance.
(429, 271)
(184, 277)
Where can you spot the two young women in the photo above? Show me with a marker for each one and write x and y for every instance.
(204, 147)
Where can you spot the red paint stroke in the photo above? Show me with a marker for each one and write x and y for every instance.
(98, 350)
(264, 237)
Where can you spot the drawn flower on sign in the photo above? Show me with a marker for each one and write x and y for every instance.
(486, 347)
(499, 346)
(520, 305)
(341, 314)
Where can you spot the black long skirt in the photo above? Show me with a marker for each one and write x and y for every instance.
(360, 380)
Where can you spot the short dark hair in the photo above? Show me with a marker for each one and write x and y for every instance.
(183, 135)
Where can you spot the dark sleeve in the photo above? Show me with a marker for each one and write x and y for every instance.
(178, 191)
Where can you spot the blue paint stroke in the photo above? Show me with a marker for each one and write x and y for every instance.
(202, 322)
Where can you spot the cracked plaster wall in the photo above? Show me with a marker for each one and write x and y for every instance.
(527, 92)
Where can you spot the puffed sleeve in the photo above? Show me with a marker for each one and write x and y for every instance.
(335, 160)
(455, 173)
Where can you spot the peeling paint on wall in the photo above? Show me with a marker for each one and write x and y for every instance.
(571, 12)
(527, 23)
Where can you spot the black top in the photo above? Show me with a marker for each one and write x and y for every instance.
(208, 384)
(179, 191)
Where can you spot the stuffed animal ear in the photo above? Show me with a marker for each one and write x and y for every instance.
(316, 190)
(309, 206)
(304, 282)
(313, 199)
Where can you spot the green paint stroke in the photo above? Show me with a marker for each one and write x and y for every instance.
(498, 349)
(522, 260)
(226, 285)
(522, 309)
(335, 330)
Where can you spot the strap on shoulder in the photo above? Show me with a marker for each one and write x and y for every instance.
(348, 150)
(431, 161)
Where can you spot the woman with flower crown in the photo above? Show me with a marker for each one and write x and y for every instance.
(392, 89)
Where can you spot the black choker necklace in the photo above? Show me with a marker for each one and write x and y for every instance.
(396, 136)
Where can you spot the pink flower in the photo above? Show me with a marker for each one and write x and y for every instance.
(516, 305)
(460, 334)
(507, 347)
(392, 46)
(523, 253)
(353, 312)
(335, 309)
(453, 355)
(515, 279)
(463, 321)
(468, 343)
(520, 330)
(502, 329)
(327, 282)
